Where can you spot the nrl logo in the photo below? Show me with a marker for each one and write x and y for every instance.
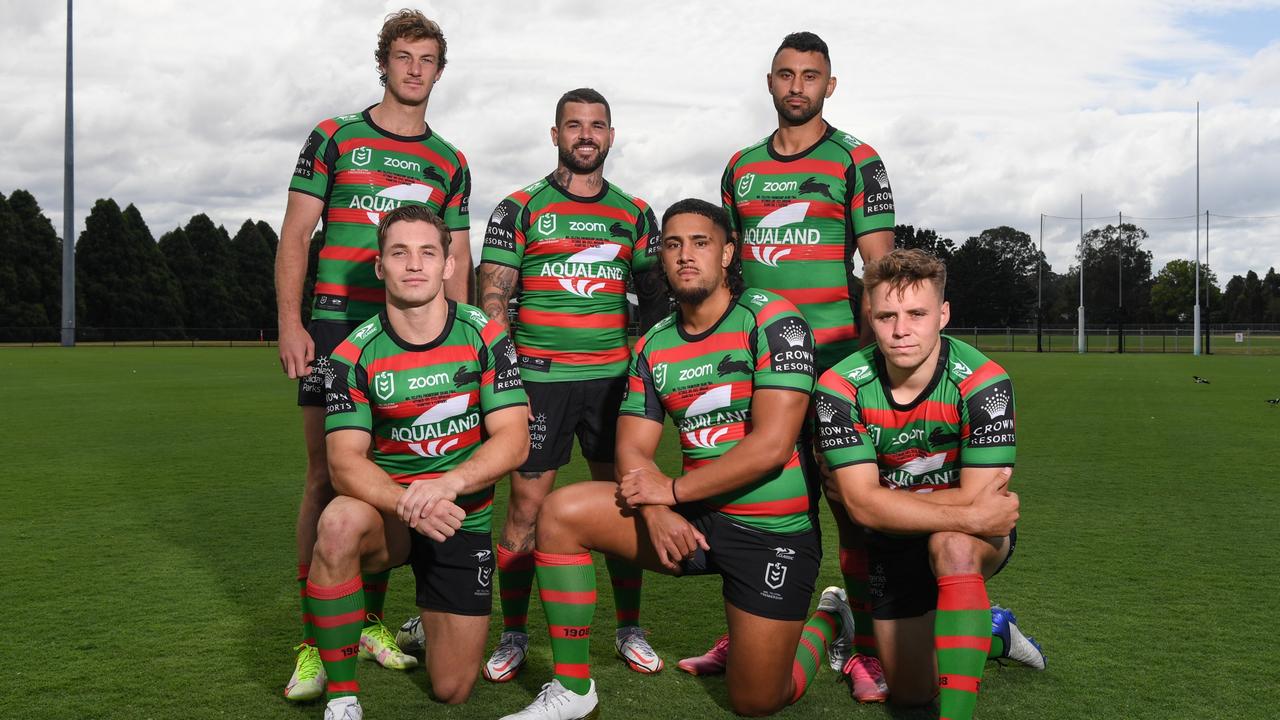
(745, 183)
(547, 223)
(826, 410)
(384, 385)
(362, 156)
(484, 575)
(775, 575)
(859, 373)
(997, 404)
(660, 376)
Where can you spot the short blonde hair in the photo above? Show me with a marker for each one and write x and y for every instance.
(411, 24)
(901, 269)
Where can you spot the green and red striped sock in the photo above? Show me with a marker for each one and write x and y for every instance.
(338, 613)
(817, 633)
(308, 630)
(627, 580)
(567, 588)
(515, 583)
(962, 636)
(375, 594)
(853, 566)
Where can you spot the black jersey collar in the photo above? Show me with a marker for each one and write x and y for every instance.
(434, 343)
(788, 158)
(402, 138)
(733, 302)
(604, 190)
(938, 373)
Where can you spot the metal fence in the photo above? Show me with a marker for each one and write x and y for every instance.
(1225, 339)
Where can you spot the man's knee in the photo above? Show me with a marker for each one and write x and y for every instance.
(953, 553)
(453, 688)
(526, 501)
(559, 511)
(755, 704)
(912, 696)
(342, 526)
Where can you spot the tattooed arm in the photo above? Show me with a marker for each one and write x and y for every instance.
(497, 284)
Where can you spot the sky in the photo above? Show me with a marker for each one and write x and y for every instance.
(986, 114)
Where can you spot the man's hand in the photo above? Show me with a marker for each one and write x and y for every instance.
(297, 350)
(674, 538)
(994, 510)
(441, 520)
(418, 500)
(645, 486)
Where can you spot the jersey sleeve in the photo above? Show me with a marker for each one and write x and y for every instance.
(644, 254)
(315, 162)
(987, 432)
(346, 398)
(504, 237)
(726, 196)
(842, 435)
(457, 206)
(784, 349)
(641, 395)
(870, 201)
(500, 384)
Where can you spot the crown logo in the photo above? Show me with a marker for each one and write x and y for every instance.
(882, 178)
(826, 410)
(511, 354)
(499, 214)
(996, 404)
(793, 334)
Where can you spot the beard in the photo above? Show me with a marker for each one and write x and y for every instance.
(797, 116)
(577, 166)
(693, 295)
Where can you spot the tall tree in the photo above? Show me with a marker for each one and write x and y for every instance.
(214, 287)
(1271, 296)
(120, 275)
(37, 262)
(1173, 293)
(1231, 299)
(1114, 257)
(252, 259)
(908, 237)
(992, 279)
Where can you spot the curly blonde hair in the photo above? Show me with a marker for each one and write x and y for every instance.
(901, 269)
(408, 24)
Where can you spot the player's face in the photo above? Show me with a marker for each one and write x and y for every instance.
(908, 322)
(413, 67)
(413, 264)
(800, 82)
(695, 256)
(583, 137)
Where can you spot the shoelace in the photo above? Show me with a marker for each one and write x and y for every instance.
(872, 665)
(549, 694)
(380, 633)
(309, 663)
(507, 647)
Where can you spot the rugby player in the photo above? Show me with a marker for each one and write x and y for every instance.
(919, 432)
(734, 369)
(569, 243)
(805, 200)
(352, 169)
(415, 389)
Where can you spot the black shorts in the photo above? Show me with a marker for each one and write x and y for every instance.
(454, 576)
(901, 579)
(586, 408)
(327, 335)
(766, 574)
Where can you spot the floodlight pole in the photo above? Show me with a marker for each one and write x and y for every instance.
(1040, 291)
(1120, 285)
(1080, 347)
(1195, 342)
(68, 212)
(1208, 319)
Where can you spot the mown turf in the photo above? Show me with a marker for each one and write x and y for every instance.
(146, 524)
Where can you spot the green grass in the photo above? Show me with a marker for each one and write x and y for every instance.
(147, 518)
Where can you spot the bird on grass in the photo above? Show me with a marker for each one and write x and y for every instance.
(1274, 402)
(1199, 380)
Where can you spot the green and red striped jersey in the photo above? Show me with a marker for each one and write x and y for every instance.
(706, 382)
(575, 255)
(425, 404)
(799, 218)
(361, 171)
(964, 418)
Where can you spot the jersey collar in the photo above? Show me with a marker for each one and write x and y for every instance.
(387, 133)
(434, 343)
(943, 355)
(604, 190)
(788, 158)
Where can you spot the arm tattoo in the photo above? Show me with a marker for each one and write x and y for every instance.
(497, 283)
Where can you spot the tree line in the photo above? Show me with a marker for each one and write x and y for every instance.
(199, 278)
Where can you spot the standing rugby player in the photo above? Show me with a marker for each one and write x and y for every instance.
(352, 169)
(569, 243)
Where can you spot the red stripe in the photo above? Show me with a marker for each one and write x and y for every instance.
(799, 680)
(804, 642)
(817, 629)
(768, 508)
(793, 167)
(627, 583)
(962, 642)
(814, 296)
(569, 632)
(304, 569)
(328, 127)
(862, 153)
(516, 594)
(627, 615)
(719, 342)
(573, 320)
(354, 292)
(980, 376)
(333, 621)
(854, 562)
(568, 597)
(333, 592)
(560, 246)
(410, 478)
(682, 400)
(576, 670)
(963, 683)
(603, 357)
(478, 505)
(759, 253)
(774, 308)
(962, 592)
(927, 410)
(542, 558)
(601, 286)
(827, 336)
(350, 254)
(348, 686)
(375, 587)
(508, 560)
(407, 148)
(515, 620)
(413, 361)
(866, 641)
(332, 655)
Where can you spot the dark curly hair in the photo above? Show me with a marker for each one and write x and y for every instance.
(804, 41)
(408, 24)
(719, 218)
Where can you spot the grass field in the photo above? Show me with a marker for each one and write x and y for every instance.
(147, 516)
